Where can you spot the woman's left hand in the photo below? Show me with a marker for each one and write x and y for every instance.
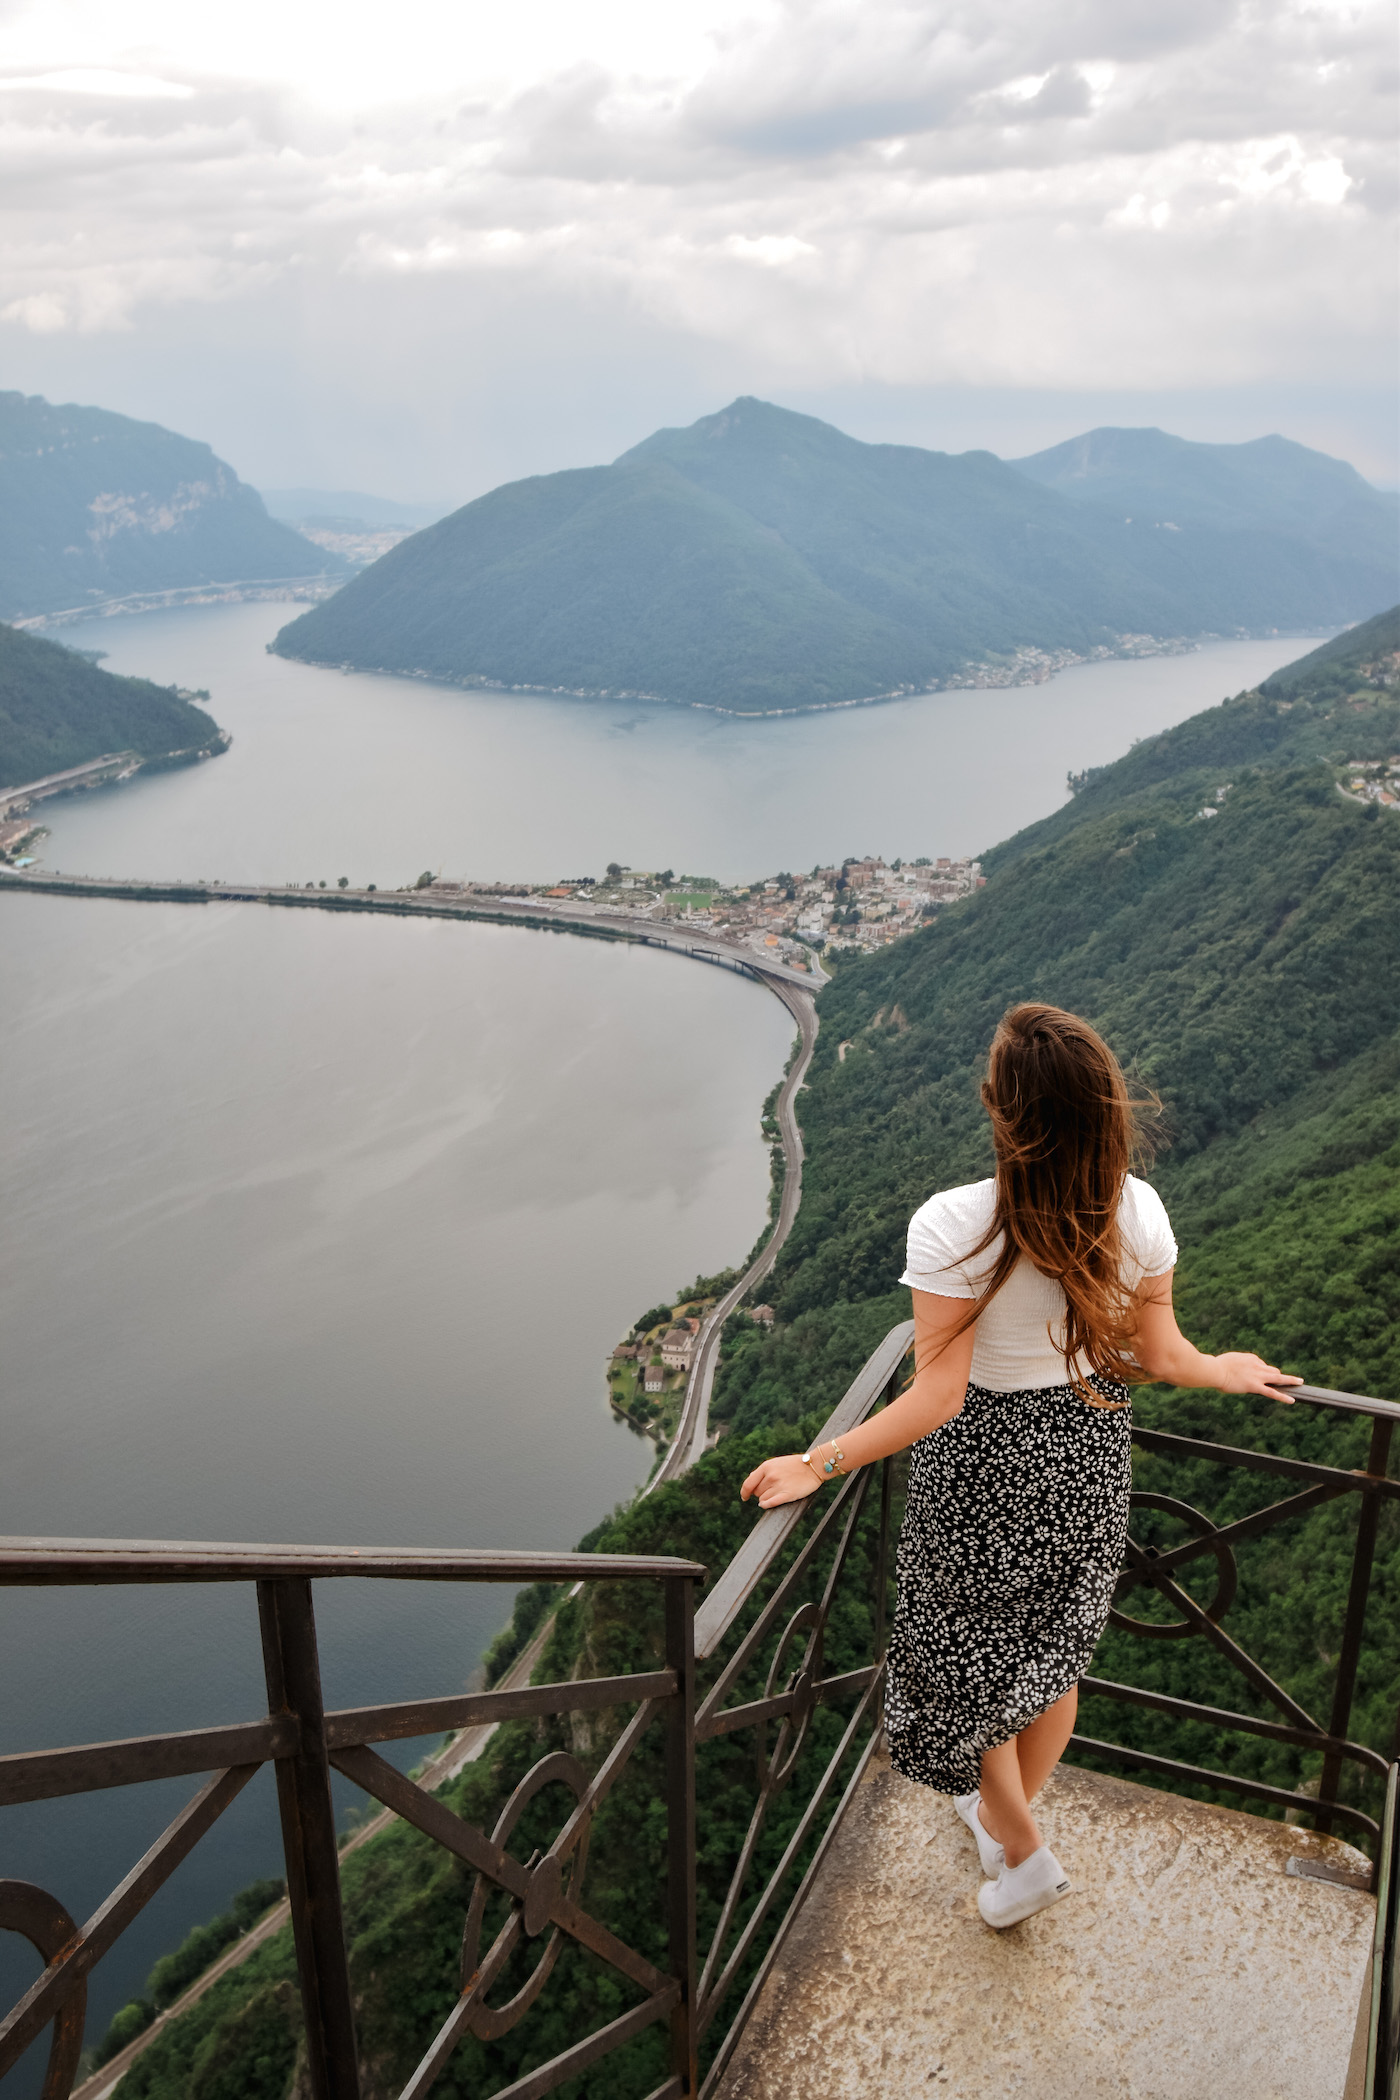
(779, 1480)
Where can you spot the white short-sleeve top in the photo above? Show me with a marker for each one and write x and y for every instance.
(1020, 1337)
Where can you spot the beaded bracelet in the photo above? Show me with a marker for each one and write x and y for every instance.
(835, 1464)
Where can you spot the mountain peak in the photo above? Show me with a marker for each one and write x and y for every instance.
(747, 422)
(1267, 483)
(760, 560)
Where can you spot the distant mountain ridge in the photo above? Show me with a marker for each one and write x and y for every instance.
(95, 506)
(1235, 510)
(298, 506)
(761, 560)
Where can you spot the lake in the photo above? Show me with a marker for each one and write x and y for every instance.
(378, 778)
(321, 1227)
(325, 1232)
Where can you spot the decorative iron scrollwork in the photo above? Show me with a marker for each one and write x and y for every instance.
(774, 1772)
(44, 1922)
(530, 1918)
(1226, 1582)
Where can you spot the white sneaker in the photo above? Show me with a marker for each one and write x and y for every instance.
(1019, 1892)
(991, 1854)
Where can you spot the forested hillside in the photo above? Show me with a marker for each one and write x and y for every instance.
(763, 560)
(1225, 904)
(58, 710)
(1234, 512)
(95, 505)
(1231, 918)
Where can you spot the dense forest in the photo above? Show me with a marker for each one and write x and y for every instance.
(95, 505)
(1225, 904)
(58, 709)
(763, 560)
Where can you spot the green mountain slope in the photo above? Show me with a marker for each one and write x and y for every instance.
(1248, 963)
(763, 560)
(1322, 706)
(57, 710)
(1243, 523)
(1271, 483)
(94, 505)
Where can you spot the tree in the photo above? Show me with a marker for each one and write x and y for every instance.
(343, 882)
(613, 870)
(652, 1319)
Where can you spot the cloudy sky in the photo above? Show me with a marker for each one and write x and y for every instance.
(426, 247)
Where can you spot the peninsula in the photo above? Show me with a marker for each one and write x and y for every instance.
(762, 562)
(65, 723)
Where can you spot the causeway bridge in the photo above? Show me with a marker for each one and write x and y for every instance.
(541, 913)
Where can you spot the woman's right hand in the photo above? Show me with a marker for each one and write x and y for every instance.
(780, 1480)
(1240, 1371)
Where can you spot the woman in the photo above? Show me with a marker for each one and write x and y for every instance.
(1037, 1296)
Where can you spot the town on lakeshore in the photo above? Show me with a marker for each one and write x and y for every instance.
(849, 907)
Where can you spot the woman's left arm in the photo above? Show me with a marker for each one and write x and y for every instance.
(941, 1368)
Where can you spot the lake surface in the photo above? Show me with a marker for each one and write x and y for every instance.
(321, 1228)
(324, 1231)
(378, 778)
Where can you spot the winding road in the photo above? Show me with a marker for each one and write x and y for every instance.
(693, 1429)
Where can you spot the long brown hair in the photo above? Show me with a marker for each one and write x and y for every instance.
(1066, 1130)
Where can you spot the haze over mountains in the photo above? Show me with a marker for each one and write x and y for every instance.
(763, 560)
(298, 506)
(95, 506)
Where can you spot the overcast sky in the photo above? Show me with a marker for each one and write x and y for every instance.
(426, 247)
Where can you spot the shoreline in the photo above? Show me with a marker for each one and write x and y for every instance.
(539, 915)
(692, 1437)
(1028, 667)
(293, 590)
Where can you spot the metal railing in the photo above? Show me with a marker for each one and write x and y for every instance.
(1383, 2010)
(753, 1657)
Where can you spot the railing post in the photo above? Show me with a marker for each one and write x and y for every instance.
(308, 1838)
(882, 1551)
(1355, 1623)
(680, 1822)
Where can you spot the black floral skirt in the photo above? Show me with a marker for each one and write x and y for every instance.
(1012, 1542)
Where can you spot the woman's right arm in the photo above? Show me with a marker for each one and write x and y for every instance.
(942, 1364)
(1164, 1352)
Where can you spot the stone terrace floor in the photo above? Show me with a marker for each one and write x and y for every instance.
(1187, 1964)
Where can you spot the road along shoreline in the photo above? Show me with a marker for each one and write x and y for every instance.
(540, 914)
(693, 1429)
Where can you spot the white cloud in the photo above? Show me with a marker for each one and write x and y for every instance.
(99, 80)
(41, 312)
(1113, 193)
(771, 249)
(1324, 181)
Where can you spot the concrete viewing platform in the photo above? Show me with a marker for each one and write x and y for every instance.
(1190, 1963)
